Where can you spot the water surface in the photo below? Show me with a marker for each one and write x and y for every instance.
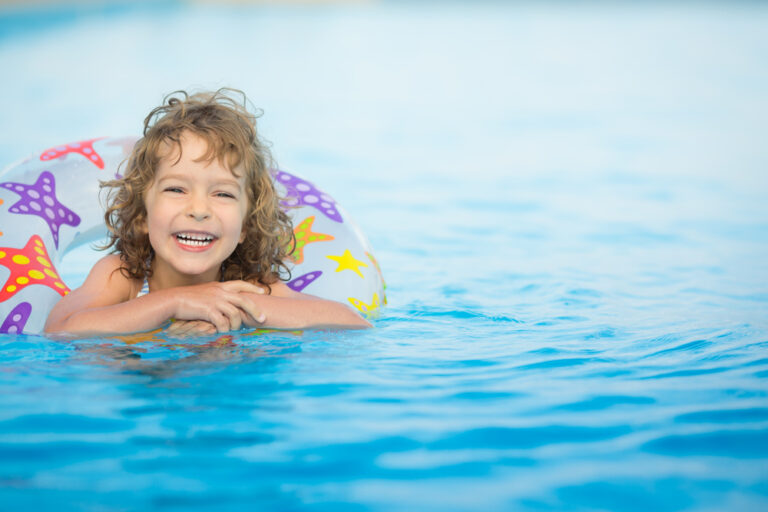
(568, 204)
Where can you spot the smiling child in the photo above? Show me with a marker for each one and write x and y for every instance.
(197, 234)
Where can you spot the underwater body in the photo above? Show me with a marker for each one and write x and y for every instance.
(567, 204)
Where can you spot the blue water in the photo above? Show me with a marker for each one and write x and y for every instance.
(568, 205)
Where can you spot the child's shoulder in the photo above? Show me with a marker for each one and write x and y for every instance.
(108, 273)
(108, 263)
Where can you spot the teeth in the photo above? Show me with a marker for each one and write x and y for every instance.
(194, 239)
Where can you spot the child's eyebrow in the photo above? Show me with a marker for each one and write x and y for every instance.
(218, 182)
(173, 177)
(226, 181)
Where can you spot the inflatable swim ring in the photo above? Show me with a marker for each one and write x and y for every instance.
(49, 204)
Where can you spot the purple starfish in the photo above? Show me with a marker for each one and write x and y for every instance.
(304, 193)
(303, 281)
(16, 320)
(40, 199)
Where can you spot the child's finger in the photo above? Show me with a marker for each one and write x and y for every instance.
(219, 321)
(249, 308)
(235, 321)
(232, 314)
(253, 311)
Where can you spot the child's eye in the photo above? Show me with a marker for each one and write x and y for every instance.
(176, 190)
(225, 194)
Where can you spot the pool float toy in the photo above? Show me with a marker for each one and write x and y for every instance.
(49, 204)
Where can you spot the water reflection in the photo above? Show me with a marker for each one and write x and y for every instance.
(160, 356)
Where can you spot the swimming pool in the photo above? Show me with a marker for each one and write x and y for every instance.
(568, 205)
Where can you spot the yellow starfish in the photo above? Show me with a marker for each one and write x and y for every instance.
(348, 262)
(378, 269)
(367, 309)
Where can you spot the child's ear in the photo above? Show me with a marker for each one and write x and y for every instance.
(242, 236)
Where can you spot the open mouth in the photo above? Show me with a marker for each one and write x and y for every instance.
(195, 239)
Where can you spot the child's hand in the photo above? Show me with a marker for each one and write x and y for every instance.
(249, 320)
(185, 328)
(221, 304)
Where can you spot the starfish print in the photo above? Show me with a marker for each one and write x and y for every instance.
(28, 266)
(84, 147)
(40, 199)
(304, 193)
(378, 269)
(304, 280)
(304, 236)
(348, 262)
(16, 320)
(366, 309)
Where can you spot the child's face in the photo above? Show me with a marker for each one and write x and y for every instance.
(195, 213)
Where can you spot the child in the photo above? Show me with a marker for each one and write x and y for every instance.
(197, 234)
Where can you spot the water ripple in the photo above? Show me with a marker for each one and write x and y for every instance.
(63, 423)
(505, 438)
(725, 443)
(605, 402)
(725, 416)
(563, 363)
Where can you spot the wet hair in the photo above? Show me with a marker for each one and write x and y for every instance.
(229, 130)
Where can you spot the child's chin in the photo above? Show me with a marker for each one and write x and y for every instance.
(193, 270)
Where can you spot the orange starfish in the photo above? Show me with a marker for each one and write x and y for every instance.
(304, 236)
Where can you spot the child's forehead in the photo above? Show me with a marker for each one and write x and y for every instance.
(192, 148)
(186, 144)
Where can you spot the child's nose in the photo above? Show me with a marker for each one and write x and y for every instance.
(198, 209)
(199, 216)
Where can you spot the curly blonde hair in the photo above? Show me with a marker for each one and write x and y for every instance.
(230, 132)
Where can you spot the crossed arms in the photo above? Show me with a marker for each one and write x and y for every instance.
(105, 304)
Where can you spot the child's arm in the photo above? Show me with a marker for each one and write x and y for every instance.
(288, 309)
(281, 311)
(105, 304)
